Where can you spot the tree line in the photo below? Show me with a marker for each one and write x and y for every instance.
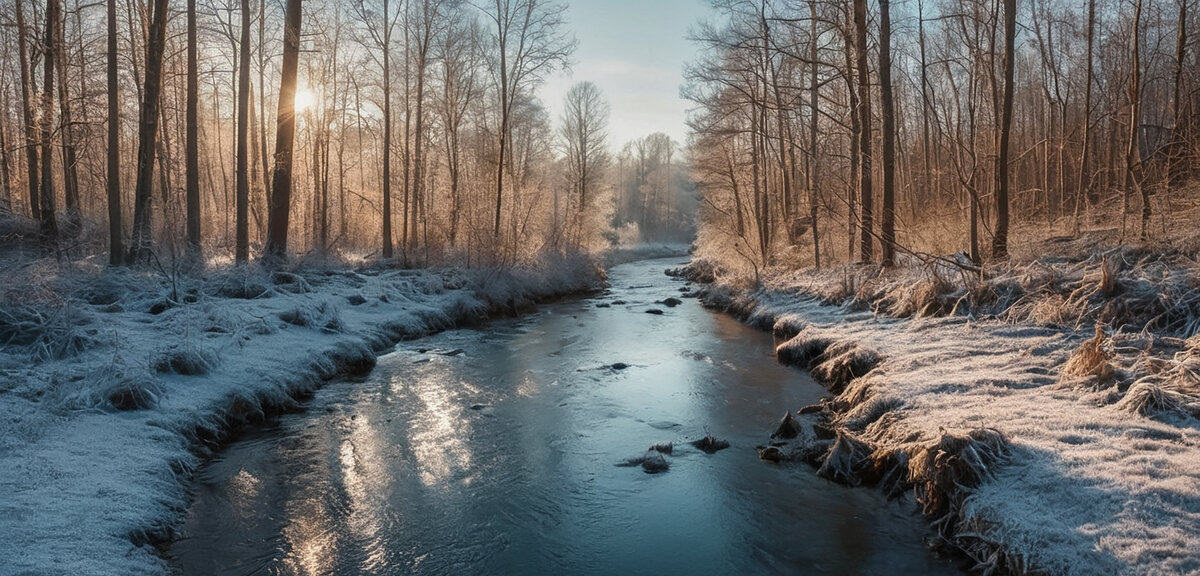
(399, 129)
(859, 130)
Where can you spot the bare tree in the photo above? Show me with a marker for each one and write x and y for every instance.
(48, 223)
(866, 222)
(242, 246)
(1000, 239)
(285, 134)
(529, 42)
(116, 250)
(192, 139)
(141, 243)
(27, 112)
(584, 131)
(888, 138)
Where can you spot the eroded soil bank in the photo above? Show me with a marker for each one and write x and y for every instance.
(115, 385)
(1034, 441)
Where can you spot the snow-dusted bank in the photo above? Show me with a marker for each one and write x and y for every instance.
(113, 384)
(1034, 446)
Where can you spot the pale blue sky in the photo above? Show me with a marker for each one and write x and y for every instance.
(634, 50)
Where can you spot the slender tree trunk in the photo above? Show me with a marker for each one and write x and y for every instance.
(66, 131)
(285, 135)
(1083, 194)
(31, 135)
(1133, 159)
(864, 134)
(48, 224)
(888, 140)
(388, 250)
(116, 249)
(242, 250)
(141, 242)
(192, 139)
(855, 139)
(1178, 147)
(815, 164)
(1000, 240)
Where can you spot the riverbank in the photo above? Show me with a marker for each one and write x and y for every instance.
(114, 384)
(1034, 441)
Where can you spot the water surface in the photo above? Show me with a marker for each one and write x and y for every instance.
(495, 452)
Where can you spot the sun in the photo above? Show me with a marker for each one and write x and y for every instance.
(304, 100)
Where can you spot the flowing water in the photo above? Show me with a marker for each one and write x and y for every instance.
(496, 452)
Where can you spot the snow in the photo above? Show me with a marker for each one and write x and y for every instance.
(87, 488)
(1088, 488)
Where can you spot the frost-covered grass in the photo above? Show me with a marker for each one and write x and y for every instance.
(113, 383)
(1035, 441)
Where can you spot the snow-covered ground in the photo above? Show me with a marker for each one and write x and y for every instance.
(113, 383)
(1089, 470)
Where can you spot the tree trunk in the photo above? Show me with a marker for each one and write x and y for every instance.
(285, 135)
(31, 136)
(814, 97)
(864, 134)
(1000, 240)
(1083, 194)
(888, 140)
(1133, 159)
(66, 131)
(48, 223)
(855, 138)
(1179, 139)
(192, 139)
(141, 242)
(242, 222)
(116, 249)
(388, 250)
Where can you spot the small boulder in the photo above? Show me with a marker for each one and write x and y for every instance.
(454, 352)
(604, 305)
(654, 463)
(619, 302)
(663, 448)
(654, 311)
(788, 428)
(356, 299)
(771, 454)
(710, 445)
(672, 302)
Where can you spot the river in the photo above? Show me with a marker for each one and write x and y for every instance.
(495, 451)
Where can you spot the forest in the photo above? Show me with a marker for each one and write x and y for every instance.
(394, 129)
(934, 127)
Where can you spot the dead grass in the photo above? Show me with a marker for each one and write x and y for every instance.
(943, 471)
(1091, 363)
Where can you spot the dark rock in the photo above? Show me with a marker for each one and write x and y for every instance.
(654, 311)
(811, 409)
(479, 406)
(664, 448)
(654, 463)
(161, 306)
(710, 445)
(771, 454)
(454, 352)
(672, 302)
(604, 305)
(619, 302)
(788, 428)
(356, 299)
(618, 365)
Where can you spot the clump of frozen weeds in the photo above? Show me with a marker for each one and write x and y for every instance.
(1091, 362)
(185, 359)
(323, 316)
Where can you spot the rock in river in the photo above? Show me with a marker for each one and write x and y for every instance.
(788, 427)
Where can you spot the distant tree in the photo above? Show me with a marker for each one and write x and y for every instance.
(584, 131)
(866, 222)
(48, 224)
(1000, 240)
(888, 136)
